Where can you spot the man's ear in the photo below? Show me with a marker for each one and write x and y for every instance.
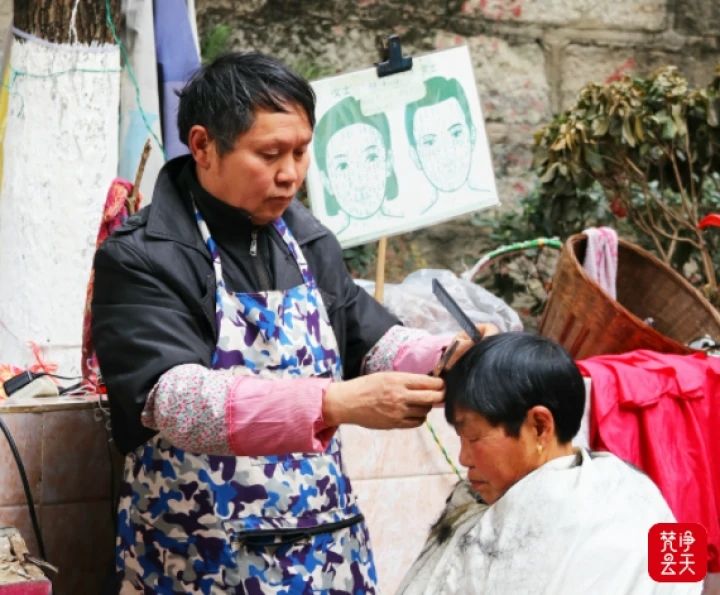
(541, 424)
(201, 146)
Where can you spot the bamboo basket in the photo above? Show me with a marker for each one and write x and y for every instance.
(587, 321)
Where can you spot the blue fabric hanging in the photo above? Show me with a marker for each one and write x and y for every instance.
(177, 59)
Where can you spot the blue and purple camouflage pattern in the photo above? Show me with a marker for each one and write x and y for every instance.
(196, 523)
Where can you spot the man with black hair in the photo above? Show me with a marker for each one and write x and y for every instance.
(233, 342)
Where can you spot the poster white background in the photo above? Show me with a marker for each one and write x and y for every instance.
(418, 203)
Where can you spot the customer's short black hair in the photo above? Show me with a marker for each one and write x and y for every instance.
(503, 376)
(223, 96)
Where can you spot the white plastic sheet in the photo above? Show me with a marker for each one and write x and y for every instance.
(413, 302)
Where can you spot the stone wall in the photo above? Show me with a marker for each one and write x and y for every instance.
(531, 57)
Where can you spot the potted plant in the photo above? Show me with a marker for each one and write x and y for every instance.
(653, 146)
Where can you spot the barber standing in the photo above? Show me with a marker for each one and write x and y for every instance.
(231, 339)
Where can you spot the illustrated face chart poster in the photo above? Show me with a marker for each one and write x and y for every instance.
(401, 152)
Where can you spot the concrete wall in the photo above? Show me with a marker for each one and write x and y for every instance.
(531, 57)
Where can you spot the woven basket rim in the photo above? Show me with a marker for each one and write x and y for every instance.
(573, 240)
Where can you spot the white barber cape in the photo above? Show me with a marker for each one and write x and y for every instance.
(577, 525)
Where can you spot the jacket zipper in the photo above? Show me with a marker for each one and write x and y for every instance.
(253, 243)
(259, 266)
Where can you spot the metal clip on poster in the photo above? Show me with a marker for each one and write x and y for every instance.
(392, 62)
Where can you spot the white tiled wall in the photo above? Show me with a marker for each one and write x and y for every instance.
(401, 479)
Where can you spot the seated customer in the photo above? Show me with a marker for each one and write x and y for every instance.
(535, 515)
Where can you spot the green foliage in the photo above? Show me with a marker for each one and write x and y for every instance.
(310, 70)
(360, 260)
(215, 43)
(523, 279)
(547, 216)
(653, 147)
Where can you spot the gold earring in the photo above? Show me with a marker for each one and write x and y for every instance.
(539, 448)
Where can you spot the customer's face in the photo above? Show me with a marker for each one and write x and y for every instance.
(495, 461)
(265, 168)
(358, 166)
(443, 144)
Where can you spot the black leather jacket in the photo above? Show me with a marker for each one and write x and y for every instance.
(154, 299)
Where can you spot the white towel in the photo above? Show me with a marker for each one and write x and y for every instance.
(601, 258)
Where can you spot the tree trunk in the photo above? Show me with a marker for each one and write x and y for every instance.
(50, 19)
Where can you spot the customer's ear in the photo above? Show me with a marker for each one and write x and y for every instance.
(542, 424)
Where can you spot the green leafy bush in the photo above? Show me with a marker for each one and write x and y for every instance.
(653, 147)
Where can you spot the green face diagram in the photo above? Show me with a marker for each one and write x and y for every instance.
(357, 166)
(354, 157)
(444, 146)
(441, 134)
(393, 154)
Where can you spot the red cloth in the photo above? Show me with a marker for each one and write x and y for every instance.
(711, 220)
(36, 587)
(115, 211)
(661, 412)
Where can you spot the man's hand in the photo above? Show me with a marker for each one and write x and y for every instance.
(464, 342)
(383, 400)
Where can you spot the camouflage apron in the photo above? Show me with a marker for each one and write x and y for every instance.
(193, 523)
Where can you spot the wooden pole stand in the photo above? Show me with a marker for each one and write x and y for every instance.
(380, 270)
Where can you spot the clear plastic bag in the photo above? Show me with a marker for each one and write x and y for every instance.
(413, 302)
